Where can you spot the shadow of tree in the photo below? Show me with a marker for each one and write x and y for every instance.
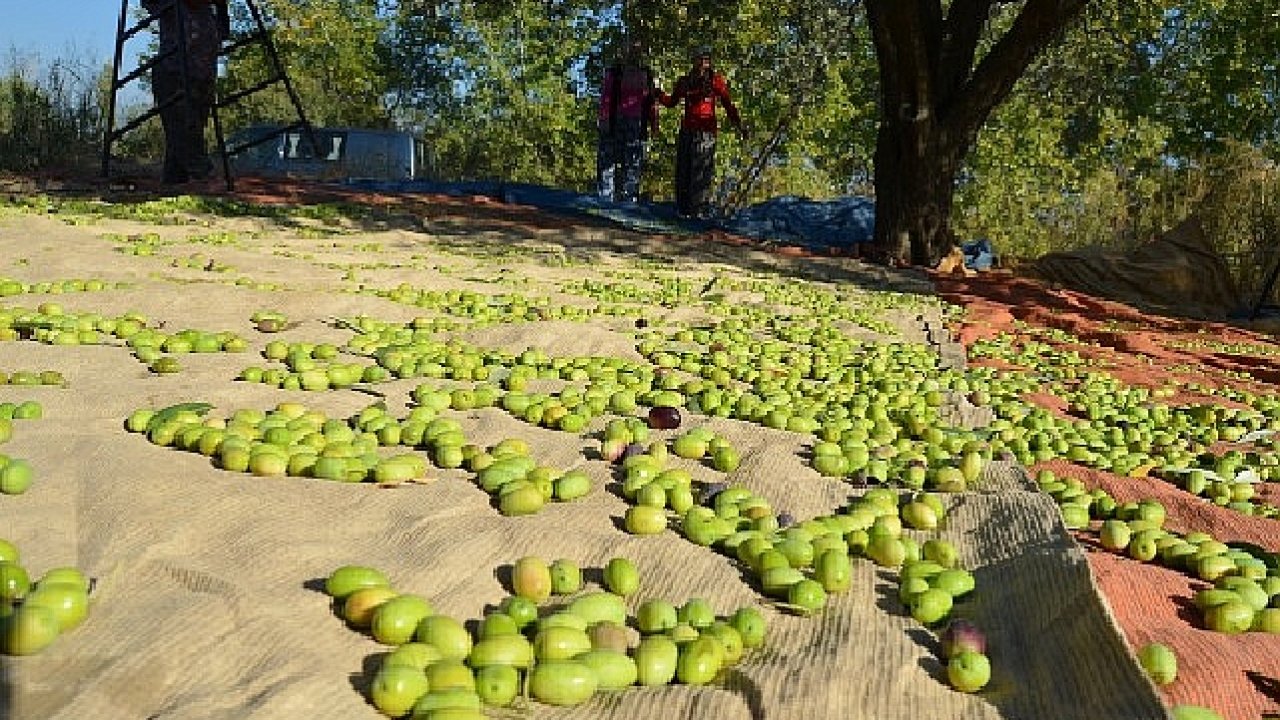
(472, 221)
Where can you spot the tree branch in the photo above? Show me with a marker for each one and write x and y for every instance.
(962, 31)
(1036, 26)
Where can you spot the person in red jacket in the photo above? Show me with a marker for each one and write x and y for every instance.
(628, 111)
(185, 94)
(700, 90)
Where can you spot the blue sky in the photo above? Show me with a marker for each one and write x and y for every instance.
(81, 33)
(80, 29)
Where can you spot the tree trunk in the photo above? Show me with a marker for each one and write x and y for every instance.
(915, 173)
(935, 95)
(913, 192)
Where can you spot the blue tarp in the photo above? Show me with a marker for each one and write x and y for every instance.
(835, 224)
(979, 254)
(838, 223)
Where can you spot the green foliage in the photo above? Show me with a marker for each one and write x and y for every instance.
(332, 52)
(805, 72)
(1238, 193)
(1211, 72)
(510, 90)
(491, 88)
(1110, 137)
(1028, 194)
(48, 121)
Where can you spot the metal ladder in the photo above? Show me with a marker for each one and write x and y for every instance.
(259, 36)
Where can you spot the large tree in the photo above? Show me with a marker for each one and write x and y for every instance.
(944, 66)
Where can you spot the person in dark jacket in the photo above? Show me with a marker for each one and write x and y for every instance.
(701, 89)
(185, 94)
(628, 113)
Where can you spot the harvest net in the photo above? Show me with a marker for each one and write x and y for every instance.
(209, 602)
(1235, 675)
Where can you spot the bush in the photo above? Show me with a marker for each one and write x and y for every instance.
(1239, 205)
(53, 123)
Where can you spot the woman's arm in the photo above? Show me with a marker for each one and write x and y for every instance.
(721, 89)
(675, 97)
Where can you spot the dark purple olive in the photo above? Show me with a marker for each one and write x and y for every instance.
(962, 635)
(664, 418)
(711, 490)
(631, 449)
(786, 519)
